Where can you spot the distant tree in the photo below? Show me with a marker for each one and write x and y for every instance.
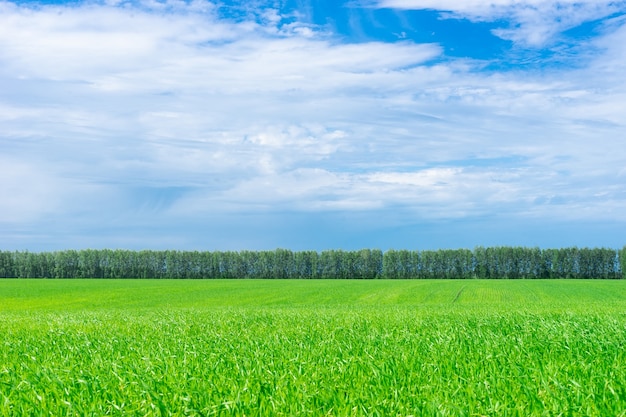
(622, 261)
(392, 267)
(371, 263)
(305, 264)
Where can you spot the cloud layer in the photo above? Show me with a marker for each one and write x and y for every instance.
(131, 121)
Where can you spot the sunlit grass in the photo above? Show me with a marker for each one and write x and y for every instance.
(312, 348)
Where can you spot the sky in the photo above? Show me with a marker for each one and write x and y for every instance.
(312, 124)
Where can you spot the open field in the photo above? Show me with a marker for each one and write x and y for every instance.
(435, 348)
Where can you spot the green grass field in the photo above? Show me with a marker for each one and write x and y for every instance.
(340, 348)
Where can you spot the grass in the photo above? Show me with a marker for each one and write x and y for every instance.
(342, 348)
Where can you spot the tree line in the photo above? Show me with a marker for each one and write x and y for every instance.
(489, 263)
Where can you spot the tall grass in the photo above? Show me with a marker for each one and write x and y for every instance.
(322, 349)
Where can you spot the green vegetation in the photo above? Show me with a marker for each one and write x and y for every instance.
(491, 263)
(311, 347)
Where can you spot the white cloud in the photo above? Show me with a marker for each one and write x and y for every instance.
(28, 192)
(125, 115)
(533, 23)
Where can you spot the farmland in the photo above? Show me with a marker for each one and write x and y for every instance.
(313, 347)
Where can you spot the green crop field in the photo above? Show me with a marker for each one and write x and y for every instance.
(295, 348)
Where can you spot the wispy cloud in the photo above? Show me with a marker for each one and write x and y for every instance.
(164, 115)
(533, 23)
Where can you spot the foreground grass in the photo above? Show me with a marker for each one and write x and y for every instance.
(312, 348)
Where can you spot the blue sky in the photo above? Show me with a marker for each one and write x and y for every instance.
(231, 125)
